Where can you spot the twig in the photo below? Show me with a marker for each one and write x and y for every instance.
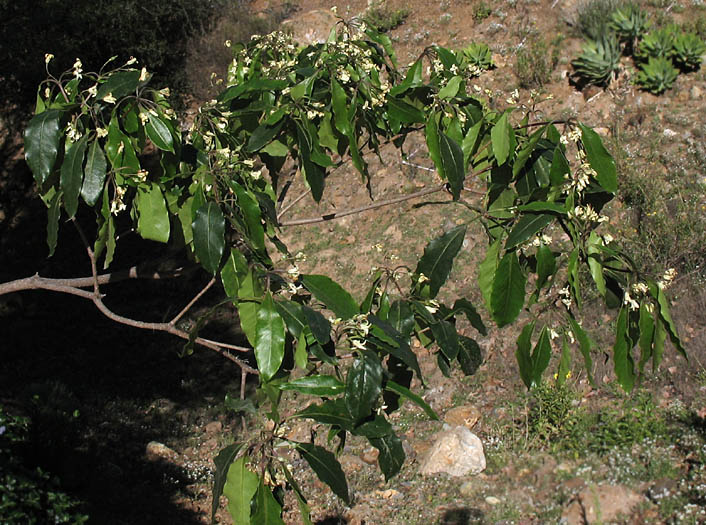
(288, 206)
(406, 163)
(191, 303)
(337, 215)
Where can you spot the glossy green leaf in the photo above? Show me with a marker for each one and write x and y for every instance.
(267, 510)
(377, 427)
(508, 293)
(538, 206)
(318, 324)
(326, 467)
(262, 135)
(469, 355)
(540, 356)
(159, 133)
(209, 231)
(247, 306)
(572, 272)
(249, 207)
(394, 343)
(622, 359)
(546, 265)
(301, 500)
(647, 332)
(334, 297)
(363, 385)
(663, 303)
(269, 339)
(293, 316)
(486, 272)
(594, 263)
(72, 175)
(240, 487)
(412, 79)
(223, 462)
(119, 84)
(523, 354)
(42, 137)
(233, 270)
(94, 174)
(452, 161)
(320, 385)
(408, 394)
(330, 412)
(404, 112)
(446, 337)
(340, 108)
(401, 317)
(659, 339)
(528, 225)
(599, 159)
(153, 219)
(451, 88)
(438, 258)
(391, 457)
(53, 216)
(301, 358)
(500, 137)
(431, 132)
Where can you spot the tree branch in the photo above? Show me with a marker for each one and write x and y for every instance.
(379, 204)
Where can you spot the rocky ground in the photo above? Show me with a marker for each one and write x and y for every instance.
(578, 455)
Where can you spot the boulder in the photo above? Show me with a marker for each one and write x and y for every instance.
(456, 451)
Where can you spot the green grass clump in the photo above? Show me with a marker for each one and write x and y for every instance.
(593, 18)
(536, 61)
(385, 19)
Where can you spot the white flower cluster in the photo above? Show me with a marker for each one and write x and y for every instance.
(541, 240)
(572, 136)
(667, 278)
(565, 296)
(117, 205)
(630, 302)
(586, 213)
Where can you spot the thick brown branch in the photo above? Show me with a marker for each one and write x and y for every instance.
(337, 215)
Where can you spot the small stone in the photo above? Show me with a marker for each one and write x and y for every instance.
(464, 415)
(600, 504)
(492, 500)
(214, 427)
(695, 92)
(351, 463)
(669, 133)
(370, 456)
(156, 451)
(467, 489)
(603, 132)
(457, 452)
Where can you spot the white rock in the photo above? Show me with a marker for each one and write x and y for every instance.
(457, 452)
(669, 133)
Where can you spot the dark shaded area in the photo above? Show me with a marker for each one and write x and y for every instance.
(462, 516)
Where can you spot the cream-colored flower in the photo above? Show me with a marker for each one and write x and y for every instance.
(109, 98)
(48, 58)
(131, 61)
(93, 90)
(101, 132)
(143, 74)
(227, 43)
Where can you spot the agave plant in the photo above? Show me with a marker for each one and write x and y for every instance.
(657, 75)
(657, 43)
(687, 52)
(629, 22)
(478, 54)
(599, 60)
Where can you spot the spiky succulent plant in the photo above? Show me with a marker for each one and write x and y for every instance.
(688, 49)
(657, 75)
(599, 60)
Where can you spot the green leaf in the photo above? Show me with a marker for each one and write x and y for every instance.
(599, 159)
(401, 318)
(671, 327)
(395, 343)
(237, 405)
(660, 337)
(523, 354)
(452, 161)
(407, 393)
(622, 358)
(403, 112)
(508, 293)
(318, 324)
(223, 461)
(119, 84)
(72, 175)
(469, 355)
(391, 457)
(42, 137)
(269, 339)
(326, 467)
(293, 316)
(340, 108)
(431, 132)
(451, 88)
(301, 500)
(500, 137)
(94, 174)
(247, 306)
(572, 272)
(540, 356)
(209, 235)
(301, 358)
(647, 332)
(487, 270)
(585, 346)
(267, 510)
(546, 265)
(377, 427)
(262, 135)
(526, 227)
(336, 299)
(159, 133)
(249, 207)
(53, 216)
(446, 337)
(236, 266)
(543, 206)
(153, 220)
(240, 487)
(330, 412)
(322, 385)
(438, 258)
(363, 385)
(564, 362)
(412, 79)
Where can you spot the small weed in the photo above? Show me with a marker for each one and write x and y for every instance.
(383, 18)
(536, 61)
(593, 18)
(551, 411)
(481, 11)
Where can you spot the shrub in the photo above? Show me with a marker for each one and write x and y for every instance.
(593, 18)
(599, 61)
(536, 61)
(383, 18)
(657, 75)
(629, 22)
